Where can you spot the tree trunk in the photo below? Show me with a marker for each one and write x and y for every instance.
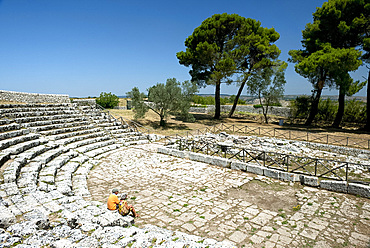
(162, 122)
(217, 100)
(367, 127)
(315, 103)
(314, 107)
(341, 102)
(237, 98)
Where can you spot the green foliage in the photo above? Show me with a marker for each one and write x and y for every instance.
(268, 86)
(210, 100)
(137, 98)
(107, 100)
(204, 100)
(163, 99)
(355, 112)
(300, 107)
(327, 110)
(257, 106)
(224, 45)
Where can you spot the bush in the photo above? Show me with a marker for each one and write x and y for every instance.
(107, 100)
(326, 111)
(257, 106)
(300, 107)
(355, 112)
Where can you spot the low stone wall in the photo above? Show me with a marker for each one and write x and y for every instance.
(278, 111)
(13, 96)
(84, 102)
(313, 181)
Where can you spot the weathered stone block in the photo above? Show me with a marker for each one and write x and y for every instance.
(271, 173)
(309, 180)
(336, 186)
(359, 189)
(289, 177)
(163, 150)
(6, 217)
(239, 166)
(252, 168)
(223, 162)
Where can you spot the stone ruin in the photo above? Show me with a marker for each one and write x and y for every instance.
(48, 146)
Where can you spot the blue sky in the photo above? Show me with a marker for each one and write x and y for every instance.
(85, 47)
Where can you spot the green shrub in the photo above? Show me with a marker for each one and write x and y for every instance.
(257, 106)
(300, 107)
(326, 111)
(355, 112)
(107, 100)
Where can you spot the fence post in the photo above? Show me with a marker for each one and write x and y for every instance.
(274, 133)
(347, 172)
(315, 167)
(307, 136)
(290, 134)
(347, 141)
(287, 163)
(264, 159)
(327, 139)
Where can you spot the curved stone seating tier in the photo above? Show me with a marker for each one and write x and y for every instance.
(74, 142)
(7, 126)
(73, 134)
(36, 113)
(67, 124)
(66, 130)
(50, 150)
(37, 120)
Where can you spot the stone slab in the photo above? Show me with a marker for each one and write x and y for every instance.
(255, 169)
(239, 166)
(309, 180)
(359, 189)
(338, 186)
(272, 173)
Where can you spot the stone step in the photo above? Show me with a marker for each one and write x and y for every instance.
(69, 140)
(79, 179)
(5, 111)
(17, 140)
(123, 134)
(135, 142)
(54, 121)
(38, 113)
(73, 134)
(11, 172)
(85, 142)
(33, 119)
(85, 149)
(50, 155)
(48, 173)
(5, 121)
(58, 126)
(63, 178)
(4, 157)
(102, 150)
(12, 134)
(66, 130)
(9, 127)
(38, 150)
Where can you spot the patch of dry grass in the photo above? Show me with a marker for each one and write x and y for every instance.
(176, 126)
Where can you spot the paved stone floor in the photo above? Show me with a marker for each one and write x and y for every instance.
(224, 204)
